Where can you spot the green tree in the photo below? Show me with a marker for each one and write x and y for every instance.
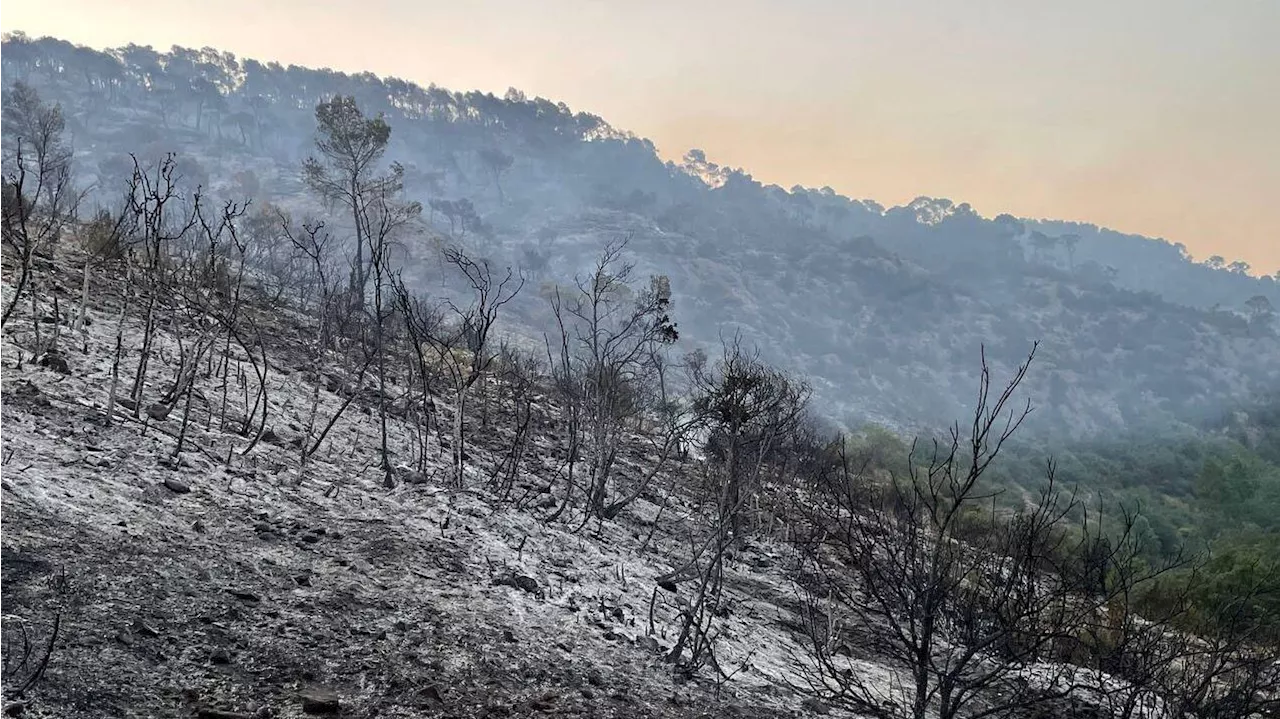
(1228, 484)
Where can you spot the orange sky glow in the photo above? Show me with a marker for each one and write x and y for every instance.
(1156, 117)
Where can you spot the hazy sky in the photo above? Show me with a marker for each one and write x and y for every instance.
(1151, 116)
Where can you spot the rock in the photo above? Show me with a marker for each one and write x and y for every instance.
(144, 629)
(176, 486)
(55, 361)
(30, 395)
(127, 403)
(430, 697)
(545, 703)
(668, 585)
(220, 656)
(332, 383)
(509, 636)
(199, 527)
(13, 709)
(212, 713)
(649, 644)
(159, 412)
(521, 582)
(302, 580)
(94, 460)
(595, 678)
(245, 595)
(310, 538)
(318, 700)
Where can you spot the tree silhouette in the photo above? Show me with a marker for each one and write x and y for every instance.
(1069, 243)
(350, 146)
(497, 162)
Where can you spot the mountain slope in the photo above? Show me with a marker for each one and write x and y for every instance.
(885, 309)
(227, 580)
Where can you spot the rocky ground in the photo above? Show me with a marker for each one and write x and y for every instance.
(215, 588)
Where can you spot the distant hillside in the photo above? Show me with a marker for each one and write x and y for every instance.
(883, 309)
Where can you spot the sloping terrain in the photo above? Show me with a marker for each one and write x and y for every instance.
(197, 584)
(180, 555)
